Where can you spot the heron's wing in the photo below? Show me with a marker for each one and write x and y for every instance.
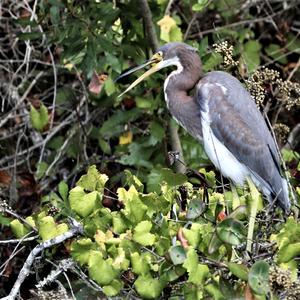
(230, 126)
(243, 107)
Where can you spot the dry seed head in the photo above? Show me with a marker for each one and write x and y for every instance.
(281, 131)
(227, 52)
(280, 279)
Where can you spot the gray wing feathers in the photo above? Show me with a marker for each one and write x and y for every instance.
(238, 124)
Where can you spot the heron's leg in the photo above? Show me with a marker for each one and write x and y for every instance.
(253, 211)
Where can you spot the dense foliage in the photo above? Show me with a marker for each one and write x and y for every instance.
(70, 148)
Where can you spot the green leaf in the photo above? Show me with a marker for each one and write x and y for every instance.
(109, 86)
(258, 278)
(63, 190)
(288, 252)
(113, 288)
(139, 264)
(143, 102)
(195, 209)
(200, 5)
(5, 221)
(104, 145)
(54, 15)
(231, 231)
(135, 209)
(175, 34)
(197, 272)
(41, 168)
(171, 178)
(81, 249)
(148, 287)
(93, 180)
(18, 228)
(39, 117)
(252, 55)
(29, 36)
(277, 53)
(142, 234)
(133, 180)
(177, 255)
(48, 228)
(120, 224)
(215, 244)
(83, 204)
(101, 270)
(192, 235)
(169, 273)
(214, 291)
(238, 270)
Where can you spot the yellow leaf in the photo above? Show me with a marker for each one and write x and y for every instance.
(166, 24)
(125, 138)
(69, 66)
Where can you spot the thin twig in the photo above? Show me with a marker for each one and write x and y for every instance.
(76, 228)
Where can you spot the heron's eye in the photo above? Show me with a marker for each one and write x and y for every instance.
(158, 56)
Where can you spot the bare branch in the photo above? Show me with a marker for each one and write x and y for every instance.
(76, 228)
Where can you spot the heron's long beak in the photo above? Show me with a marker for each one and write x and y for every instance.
(156, 64)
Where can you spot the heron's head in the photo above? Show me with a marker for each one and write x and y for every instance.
(171, 54)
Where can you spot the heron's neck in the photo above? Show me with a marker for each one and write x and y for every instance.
(183, 106)
(181, 81)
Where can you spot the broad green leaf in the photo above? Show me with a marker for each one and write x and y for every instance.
(171, 178)
(48, 228)
(142, 234)
(197, 272)
(133, 180)
(93, 180)
(252, 55)
(214, 291)
(101, 270)
(177, 255)
(5, 221)
(113, 288)
(231, 231)
(83, 204)
(192, 235)
(39, 117)
(239, 270)
(135, 209)
(109, 86)
(120, 224)
(175, 34)
(148, 287)
(195, 209)
(120, 261)
(80, 250)
(288, 252)
(169, 273)
(139, 264)
(18, 228)
(258, 278)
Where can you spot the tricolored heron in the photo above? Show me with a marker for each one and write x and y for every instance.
(222, 115)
